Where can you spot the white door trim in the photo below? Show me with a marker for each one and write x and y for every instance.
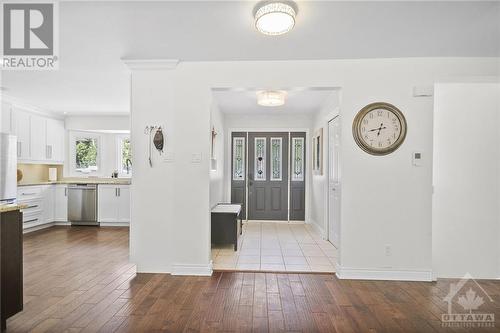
(327, 213)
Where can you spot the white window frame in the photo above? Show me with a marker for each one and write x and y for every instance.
(119, 142)
(75, 135)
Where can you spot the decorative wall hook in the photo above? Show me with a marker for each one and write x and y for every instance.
(214, 134)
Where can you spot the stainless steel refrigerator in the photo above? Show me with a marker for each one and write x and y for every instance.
(8, 168)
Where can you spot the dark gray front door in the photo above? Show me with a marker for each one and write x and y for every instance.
(267, 176)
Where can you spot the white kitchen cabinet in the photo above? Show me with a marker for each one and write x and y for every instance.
(48, 194)
(6, 118)
(54, 149)
(124, 203)
(38, 137)
(61, 203)
(107, 206)
(22, 129)
(113, 204)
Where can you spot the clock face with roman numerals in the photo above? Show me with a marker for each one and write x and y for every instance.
(379, 128)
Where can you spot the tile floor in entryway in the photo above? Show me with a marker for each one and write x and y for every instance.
(277, 247)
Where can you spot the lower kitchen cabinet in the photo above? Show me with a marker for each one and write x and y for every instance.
(48, 195)
(61, 203)
(46, 204)
(113, 204)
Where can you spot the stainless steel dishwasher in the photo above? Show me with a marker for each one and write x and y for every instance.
(82, 204)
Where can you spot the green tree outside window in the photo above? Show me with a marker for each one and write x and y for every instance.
(86, 154)
(126, 156)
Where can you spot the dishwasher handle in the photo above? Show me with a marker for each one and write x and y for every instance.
(82, 186)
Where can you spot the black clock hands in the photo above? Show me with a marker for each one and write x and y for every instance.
(378, 129)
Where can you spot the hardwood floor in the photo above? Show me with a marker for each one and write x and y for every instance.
(79, 280)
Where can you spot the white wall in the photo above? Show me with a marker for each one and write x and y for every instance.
(385, 200)
(98, 123)
(265, 121)
(466, 219)
(319, 188)
(217, 190)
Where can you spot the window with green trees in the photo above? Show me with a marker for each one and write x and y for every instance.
(126, 156)
(86, 150)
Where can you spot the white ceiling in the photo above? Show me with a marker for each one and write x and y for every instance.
(298, 101)
(94, 36)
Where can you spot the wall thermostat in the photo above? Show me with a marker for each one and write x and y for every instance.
(417, 158)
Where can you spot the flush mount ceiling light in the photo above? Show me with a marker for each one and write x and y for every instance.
(275, 18)
(271, 98)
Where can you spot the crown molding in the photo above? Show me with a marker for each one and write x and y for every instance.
(150, 64)
(21, 104)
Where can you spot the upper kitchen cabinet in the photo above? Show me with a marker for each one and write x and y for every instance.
(38, 138)
(55, 141)
(22, 130)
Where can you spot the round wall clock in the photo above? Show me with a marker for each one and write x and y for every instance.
(379, 128)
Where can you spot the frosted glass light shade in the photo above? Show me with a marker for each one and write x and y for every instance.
(275, 18)
(271, 98)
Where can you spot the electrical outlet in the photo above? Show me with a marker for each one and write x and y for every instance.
(388, 250)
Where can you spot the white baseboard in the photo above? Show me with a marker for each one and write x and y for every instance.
(317, 228)
(62, 223)
(347, 273)
(114, 224)
(200, 270)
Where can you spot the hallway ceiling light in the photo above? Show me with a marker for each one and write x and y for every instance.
(275, 18)
(271, 98)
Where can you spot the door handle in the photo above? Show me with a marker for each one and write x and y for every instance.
(119, 192)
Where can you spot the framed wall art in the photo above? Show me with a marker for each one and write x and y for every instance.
(317, 150)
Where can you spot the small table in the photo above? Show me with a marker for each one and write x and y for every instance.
(226, 224)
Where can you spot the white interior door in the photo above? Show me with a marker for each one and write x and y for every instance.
(334, 187)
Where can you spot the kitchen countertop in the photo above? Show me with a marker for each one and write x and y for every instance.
(105, 181)
(10, 207)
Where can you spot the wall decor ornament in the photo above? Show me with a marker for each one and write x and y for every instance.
(379, 128)
(213, 136)
(157, 140)
(317, 150)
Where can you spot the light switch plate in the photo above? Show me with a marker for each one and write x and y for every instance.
(196, 158)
